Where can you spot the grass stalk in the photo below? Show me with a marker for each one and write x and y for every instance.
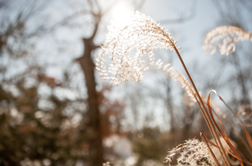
(203, 109)
(210, 150)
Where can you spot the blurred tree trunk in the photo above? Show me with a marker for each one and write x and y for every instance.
(94, 117)
(170, 105)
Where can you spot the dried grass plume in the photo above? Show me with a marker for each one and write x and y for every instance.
(129, 51)
(224, 38)
(129, 48)
(192, 152)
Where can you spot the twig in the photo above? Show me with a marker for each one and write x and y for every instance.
(210, 150)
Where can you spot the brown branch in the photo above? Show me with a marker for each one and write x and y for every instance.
(68, 18)
(97, 23)
(43, 29)
(210, 150)
(96, 46)
(182, 19)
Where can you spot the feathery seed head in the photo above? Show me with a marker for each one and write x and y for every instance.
(229, 35)
(129, 48)
(192, 152)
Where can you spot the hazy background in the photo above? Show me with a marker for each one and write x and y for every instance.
(56, 110)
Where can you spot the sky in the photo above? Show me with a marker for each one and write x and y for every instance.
(188, 33)
(64, 45)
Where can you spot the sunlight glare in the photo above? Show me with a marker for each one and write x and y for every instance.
(121, 12)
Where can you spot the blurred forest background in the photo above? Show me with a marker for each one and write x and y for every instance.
(55, 109)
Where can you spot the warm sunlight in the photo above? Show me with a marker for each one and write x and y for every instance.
(121, 12)
(105, 83)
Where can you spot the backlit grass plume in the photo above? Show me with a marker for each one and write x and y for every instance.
(139, 35)
(129, 51)
(224, 38)
(192, 152)
(129, 48)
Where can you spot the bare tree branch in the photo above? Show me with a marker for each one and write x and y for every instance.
(68, 18)
(98, 6)
(42, 29)
(188, 17)
(109, 8)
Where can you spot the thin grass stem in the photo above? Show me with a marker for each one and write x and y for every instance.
(210, 150)
(206, 116)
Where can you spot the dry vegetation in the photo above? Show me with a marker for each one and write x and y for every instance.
(129, 50)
